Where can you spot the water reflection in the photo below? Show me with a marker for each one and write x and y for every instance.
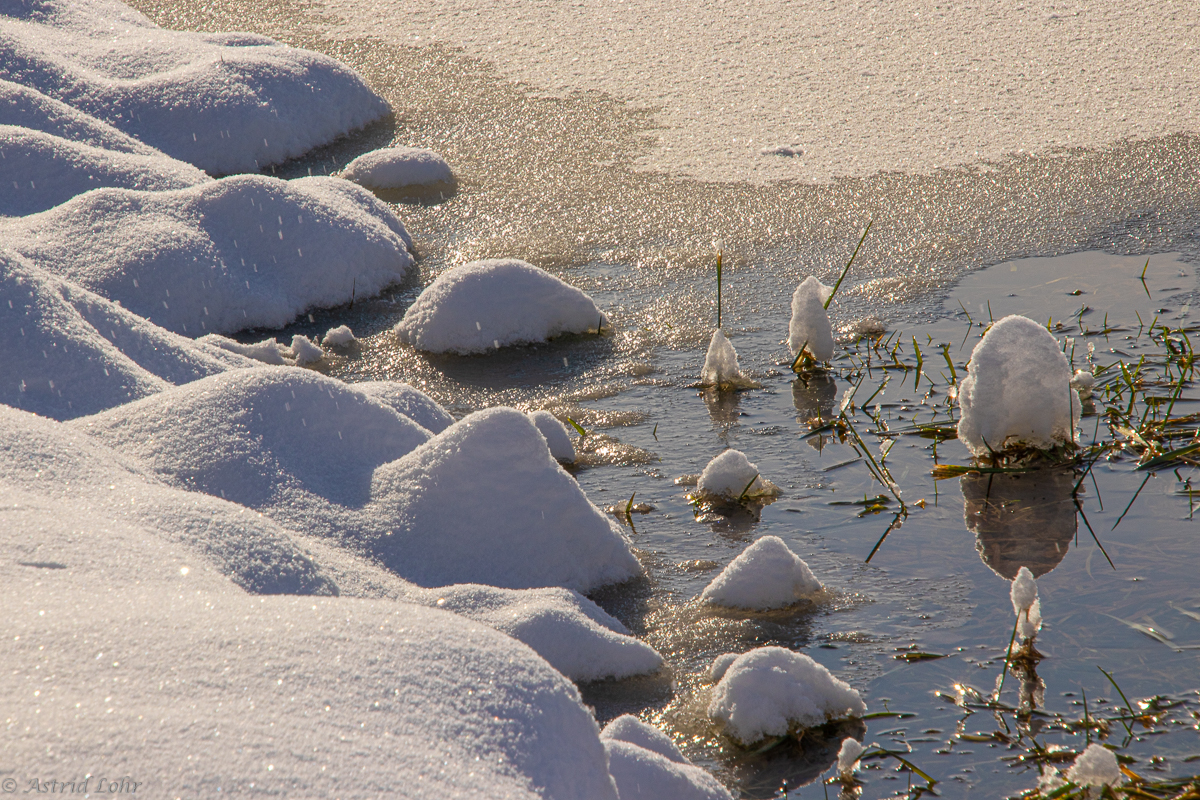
(814, 396)
(792, 761)
(722, 405)
(1021, 520)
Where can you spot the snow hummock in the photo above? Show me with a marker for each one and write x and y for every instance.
(1026, 605)
(721, 365)
(766, 575)
(728, 475)
(848, 755)
(1018, 390)
(305, 351)
(397, 168)
(771, 690)
(646, 765)
(721, 665)
(484, 305)
(1096, 766)
(556, 435)
(412, 403)
(221, 256)
(224, 102)
(809, 327)
(341, 336)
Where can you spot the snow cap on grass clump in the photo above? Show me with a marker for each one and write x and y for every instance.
(721, 365)
(398, 167)
(268, 351)
(494, 303)
(1096, 766)
(766, 575)
(1018, 390)
(556, 436)
(1026, 605)
(646, 765)
(770, 691)
(221, 256)
(484, 502)
(810, 327)
(341, 336)
(305, 351)
(412, 403)
(728, 475)
(720, 666)
(848, 755)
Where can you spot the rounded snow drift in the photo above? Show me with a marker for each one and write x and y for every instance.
(731, 477)
(403, 170)
(771, 691)
(489, 304)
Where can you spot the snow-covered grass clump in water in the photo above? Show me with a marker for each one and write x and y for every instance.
(556, 435)
(493, 303)
(770, 691)
(809, 328)
(398, 168)
(1018, 391)
(341, 336)
(646, 765)
(848, 755)
(731, 477)
(1026, 605)
(241, 252)
(766, 575)
(721, 365)
(224, 102)
(1096, 766)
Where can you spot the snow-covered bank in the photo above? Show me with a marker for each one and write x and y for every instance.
(226, 103)
(223, 255)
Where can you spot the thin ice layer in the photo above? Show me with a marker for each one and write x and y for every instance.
(224, 102)
(240, 252)
(1018, 390)
(494, 303)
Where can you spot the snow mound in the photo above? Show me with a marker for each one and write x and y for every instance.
(226, 103)
(442, 706)
(341, 336)
(766, 575)
(1018, 390)
(770, 690)
(398, 167)
(40, 170)
(494, 303)
(1083, 382)
(241, 252)
(721, 665)
(527, 522)
(80, 507)
(26, 107)
(647, 765)
(1096, 766)
(721, 365)
(72, 352)
(809, 327)
(1026, 605)
(305, 351)
(571, 632)
(848, 755)
(731, 476)
(266, 437)
(556, 435)
(412, 403)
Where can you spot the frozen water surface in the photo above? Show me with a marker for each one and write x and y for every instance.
(583, 185)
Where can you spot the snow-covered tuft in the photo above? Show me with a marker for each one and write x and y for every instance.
(810, 328)
(241, 252)
(1096, 766)
(305, 351)
(493, 303)
(397, 168)
(721, 365)
(848, 755)
(1083, 382)
(1018, 390)
(556, 435)
(646, 765)
(341, 336)
(730, 476)
(771, 690)
(412, 403)
(766, 575)
(232, 102)
(720, 666)
(1026, 605)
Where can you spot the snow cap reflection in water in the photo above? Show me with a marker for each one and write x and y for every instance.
(1020, 520)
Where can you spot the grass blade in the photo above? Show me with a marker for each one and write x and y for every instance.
(848, 263)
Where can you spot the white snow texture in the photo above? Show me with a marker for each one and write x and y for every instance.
(771, 690)
(729, 476)
(1096, 766)
(556, 435)
(848, 754)
(1018, 390)
(494, 303)
(721, 364)
(398, 167)
(646, 765)
(1026, 604)
(766, 575)
(809, 327)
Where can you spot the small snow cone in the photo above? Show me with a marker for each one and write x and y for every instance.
(721, 365)
(1026, 605)
(1018, 391)
(766, 575)
(1096, 766)
(731, 477)
(810, 328)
